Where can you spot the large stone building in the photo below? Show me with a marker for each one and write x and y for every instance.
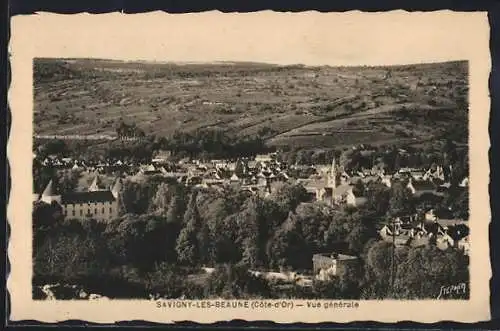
(96, 203)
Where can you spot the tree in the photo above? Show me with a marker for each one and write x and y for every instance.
(67, 181)
(288, 196)
(41, 176)
(428, 201)
(188, 246)
(330, 289)
(313, 224)
(358, 237)
(70, 251)
(137, 196)
(378, 196)
(427, 269)
(164, 282)
(53, 147)
(236, 282)
(226, 247)
(45, 218)
(458, 201)
(288, 249)
(126, 239)
(240, 168)
(359, 189)
(338, 229)
(250, 233)
(175, 209)
(378, 268)
(351, 278)
(400, 202)
(161, 199)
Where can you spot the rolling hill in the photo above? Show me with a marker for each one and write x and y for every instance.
(294, 105)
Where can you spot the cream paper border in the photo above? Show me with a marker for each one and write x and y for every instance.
(310, 38)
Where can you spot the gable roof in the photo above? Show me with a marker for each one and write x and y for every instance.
(87, 197)
(49, 189)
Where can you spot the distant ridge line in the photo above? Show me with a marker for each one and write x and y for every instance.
(242, 63)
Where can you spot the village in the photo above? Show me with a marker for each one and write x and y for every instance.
(330, 184)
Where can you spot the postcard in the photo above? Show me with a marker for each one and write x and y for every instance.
(288, 167)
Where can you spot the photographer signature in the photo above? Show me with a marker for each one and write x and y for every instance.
(450, 290)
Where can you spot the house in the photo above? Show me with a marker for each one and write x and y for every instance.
(266, 158)
(234, 178)
(162, 156)
(251, 165)
(149, 170)
(331, 265)
(231, 166)
(96, 203)
(404, 236)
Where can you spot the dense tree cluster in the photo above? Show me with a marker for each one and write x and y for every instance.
(169, 232)
(64, 181)
(135, 146)
(215, 143)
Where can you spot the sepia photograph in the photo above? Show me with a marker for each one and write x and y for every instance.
(276, 173)
(249, 180)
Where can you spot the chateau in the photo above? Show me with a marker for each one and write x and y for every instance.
(97, 203)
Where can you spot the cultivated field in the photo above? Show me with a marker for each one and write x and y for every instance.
(287, 105)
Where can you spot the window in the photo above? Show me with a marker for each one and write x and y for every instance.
(73, 212)
(103, 210)
(81, 212)
(110, 210)
(65, 212)
(95, 211)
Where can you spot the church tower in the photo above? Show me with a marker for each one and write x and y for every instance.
(332, 177)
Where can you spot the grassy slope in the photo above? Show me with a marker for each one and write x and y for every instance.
(302, 106)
